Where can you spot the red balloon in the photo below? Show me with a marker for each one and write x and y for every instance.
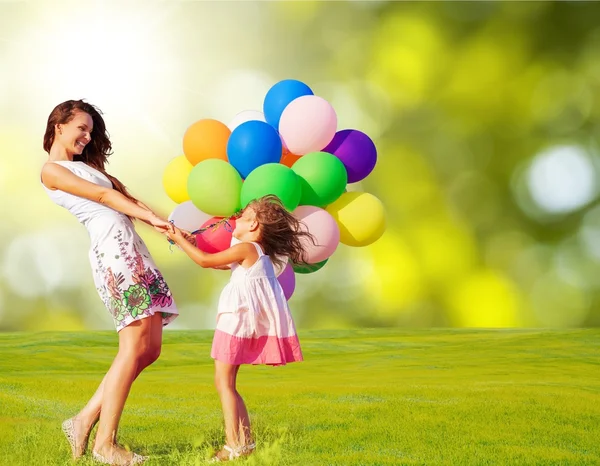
(215, 239)
(287, 158)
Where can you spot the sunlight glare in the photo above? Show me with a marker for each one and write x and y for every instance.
(117, 58)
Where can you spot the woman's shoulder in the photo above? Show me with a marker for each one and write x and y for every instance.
(54, 166)
(58, 167)
(54, 173)
(51, 169)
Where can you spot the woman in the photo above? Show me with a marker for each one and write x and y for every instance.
(130, 285)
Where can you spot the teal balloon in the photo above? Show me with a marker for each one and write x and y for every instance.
(272, 178)
(309, 268)
(214, 187)
(323, 178)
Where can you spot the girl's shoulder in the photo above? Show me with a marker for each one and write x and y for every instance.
(255, 245)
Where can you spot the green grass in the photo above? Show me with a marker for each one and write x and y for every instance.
(362, 397)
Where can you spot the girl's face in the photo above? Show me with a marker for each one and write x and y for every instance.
(246, 225)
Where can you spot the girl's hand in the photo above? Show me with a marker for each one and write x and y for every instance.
(175, 235)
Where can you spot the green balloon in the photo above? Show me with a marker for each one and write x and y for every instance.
(309, 268)
(272, 178)
(214, 187)
(323, 178)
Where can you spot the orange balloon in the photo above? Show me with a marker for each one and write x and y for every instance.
(206, 139)
(287, 158)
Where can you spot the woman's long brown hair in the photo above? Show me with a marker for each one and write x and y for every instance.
(97, 151)
(282, 235)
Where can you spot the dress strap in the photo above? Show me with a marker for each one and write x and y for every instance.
(258, 249)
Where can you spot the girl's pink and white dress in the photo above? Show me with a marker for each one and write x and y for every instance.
(125, 275)
(254, 323)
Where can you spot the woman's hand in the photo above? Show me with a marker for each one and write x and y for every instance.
(161, 225)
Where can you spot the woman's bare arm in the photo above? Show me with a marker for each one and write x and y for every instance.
(55, 177)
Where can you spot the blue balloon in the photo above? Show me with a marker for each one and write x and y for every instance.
(279, 96)
(251, 145)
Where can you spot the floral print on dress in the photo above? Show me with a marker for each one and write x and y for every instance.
(124, 298)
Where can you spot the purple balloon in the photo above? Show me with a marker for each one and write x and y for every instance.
(287, 280)
(356, 151)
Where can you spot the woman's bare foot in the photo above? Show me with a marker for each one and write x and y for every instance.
(78, 433)
(117, 455)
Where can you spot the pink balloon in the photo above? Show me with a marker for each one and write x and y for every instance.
(324, 229)
(307, 124)
(287, 280)
(215, 239)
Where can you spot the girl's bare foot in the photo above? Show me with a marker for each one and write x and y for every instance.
(228, 453)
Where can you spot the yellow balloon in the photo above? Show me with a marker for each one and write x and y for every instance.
(360, 216)
(175, 179)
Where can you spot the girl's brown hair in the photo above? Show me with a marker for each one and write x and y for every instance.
(96, 152)
(282, 233)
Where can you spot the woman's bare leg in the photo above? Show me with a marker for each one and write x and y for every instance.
(139, 346)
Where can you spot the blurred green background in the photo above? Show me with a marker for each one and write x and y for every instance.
(486, 117)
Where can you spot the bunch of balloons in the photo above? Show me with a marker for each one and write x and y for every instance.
(291, 149)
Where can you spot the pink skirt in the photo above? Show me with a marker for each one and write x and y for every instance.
(270, 350)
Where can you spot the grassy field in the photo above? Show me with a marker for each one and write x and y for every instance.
(362, 397)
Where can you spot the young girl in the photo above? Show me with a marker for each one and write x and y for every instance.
(254, 324)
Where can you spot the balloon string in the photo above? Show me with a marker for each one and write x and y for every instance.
(213, 226)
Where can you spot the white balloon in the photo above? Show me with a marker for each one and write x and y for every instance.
(187, 216)
(246, 115)
(279, 269)
(355, 187)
